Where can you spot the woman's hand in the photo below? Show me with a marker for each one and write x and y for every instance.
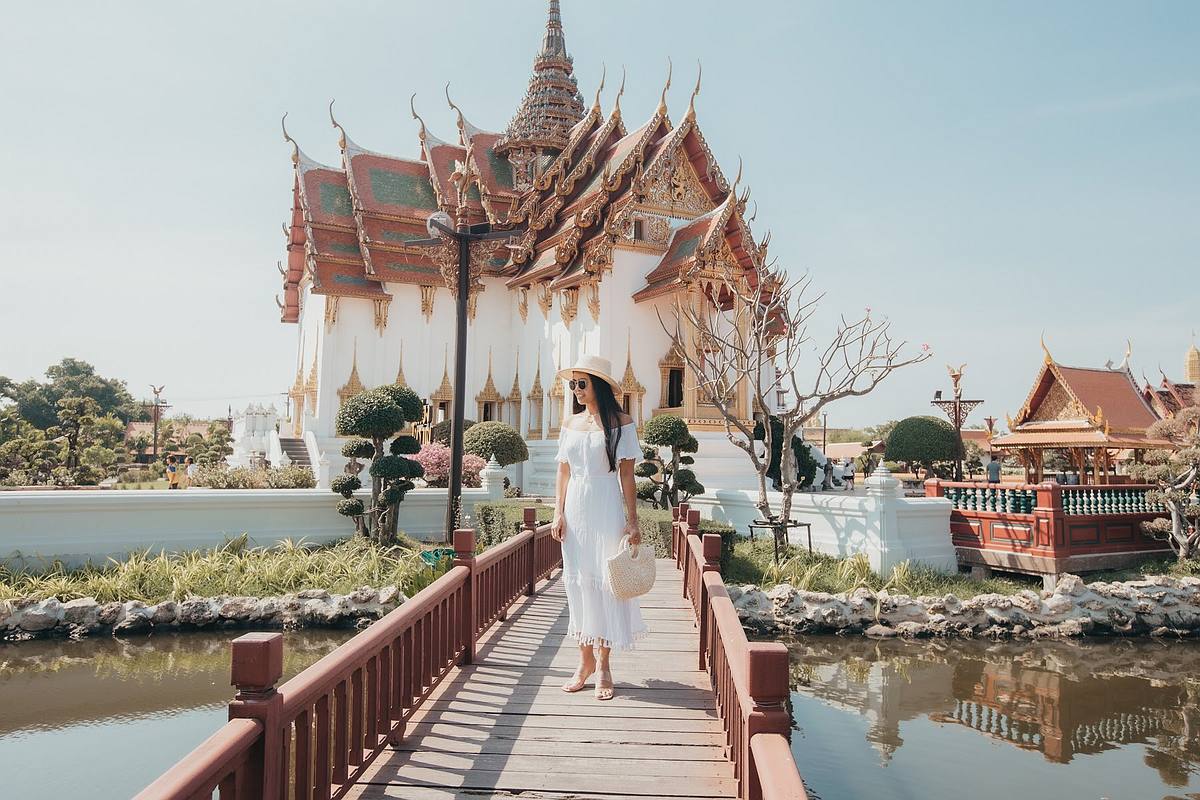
(558, 528)
(634, 532)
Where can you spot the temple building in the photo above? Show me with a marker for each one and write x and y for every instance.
(1095, 416)
(624, 215)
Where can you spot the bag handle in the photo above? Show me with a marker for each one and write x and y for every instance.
(632, 548)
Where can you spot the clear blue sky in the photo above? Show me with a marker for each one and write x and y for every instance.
(978, 171)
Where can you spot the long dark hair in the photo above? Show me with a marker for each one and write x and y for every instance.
(610, 416)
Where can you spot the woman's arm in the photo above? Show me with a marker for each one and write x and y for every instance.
(629, 495)
(558, 527)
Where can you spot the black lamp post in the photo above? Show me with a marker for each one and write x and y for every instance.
(462, 234)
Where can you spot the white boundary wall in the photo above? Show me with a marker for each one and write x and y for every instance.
(887, 527)
(78, 526)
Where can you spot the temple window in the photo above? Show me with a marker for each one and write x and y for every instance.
(639, 230)
(675, 388)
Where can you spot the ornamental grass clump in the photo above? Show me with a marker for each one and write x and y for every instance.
(231, 569)
(374, 416)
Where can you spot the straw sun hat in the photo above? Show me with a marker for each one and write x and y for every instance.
(594, 365)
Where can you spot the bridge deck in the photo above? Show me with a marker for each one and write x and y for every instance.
(502, 727)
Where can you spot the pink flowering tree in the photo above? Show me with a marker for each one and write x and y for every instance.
(435, 459)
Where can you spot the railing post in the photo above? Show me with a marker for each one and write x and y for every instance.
(712, 563)
(1048, 514)
(767, 673)
(530, 523)
(933, 488)
(257, 665)
(464, 556)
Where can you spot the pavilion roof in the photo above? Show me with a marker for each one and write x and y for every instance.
(1082, 407)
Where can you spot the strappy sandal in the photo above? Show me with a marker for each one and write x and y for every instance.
(579, 682)
(605, 692)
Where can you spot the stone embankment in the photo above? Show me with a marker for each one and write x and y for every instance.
(1158, 606)
(28, 618)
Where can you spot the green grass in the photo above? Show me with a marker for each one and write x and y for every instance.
(752, 562)
(232, 569)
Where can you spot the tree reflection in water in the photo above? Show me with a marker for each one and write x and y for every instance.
(1063, 699)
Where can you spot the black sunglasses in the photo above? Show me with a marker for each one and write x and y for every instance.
(581, 383)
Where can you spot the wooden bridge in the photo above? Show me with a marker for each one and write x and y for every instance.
(455, 694)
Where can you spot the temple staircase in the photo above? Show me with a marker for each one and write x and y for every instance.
(296, 451)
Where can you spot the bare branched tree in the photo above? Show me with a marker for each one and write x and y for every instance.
(735, 327)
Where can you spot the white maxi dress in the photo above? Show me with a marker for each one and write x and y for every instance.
(594, 513)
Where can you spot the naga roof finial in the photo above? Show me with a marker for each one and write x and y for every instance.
(341, 130)
(288, 138)
(462, 131)
(737, 180)
(620, 91)
(600, 88)
(691, 112)
(1128, 353)
(413, 108)
(1046, 350)
(662, 100)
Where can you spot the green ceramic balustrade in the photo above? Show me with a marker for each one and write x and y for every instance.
(1086, 500)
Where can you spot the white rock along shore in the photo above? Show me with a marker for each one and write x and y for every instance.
(1158, 605)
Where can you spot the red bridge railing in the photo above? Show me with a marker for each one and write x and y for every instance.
(750, 679)
(311, 738)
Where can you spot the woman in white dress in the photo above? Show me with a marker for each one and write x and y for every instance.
(595, 506)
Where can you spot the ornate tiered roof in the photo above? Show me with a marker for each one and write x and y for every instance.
(1082, 407)
(597, 185)
(552, 104)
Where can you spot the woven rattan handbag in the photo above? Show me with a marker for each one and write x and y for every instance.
(631, 570)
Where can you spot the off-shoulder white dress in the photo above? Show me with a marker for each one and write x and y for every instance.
(594, 513)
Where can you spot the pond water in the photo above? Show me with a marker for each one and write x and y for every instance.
(969, 719)
(101, 718)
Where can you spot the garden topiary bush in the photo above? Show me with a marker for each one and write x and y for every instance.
(921, 440)
(497, 520)
(440, 432)
(485, 439)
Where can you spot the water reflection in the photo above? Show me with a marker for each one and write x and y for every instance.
(128, 707)
(1063, 701)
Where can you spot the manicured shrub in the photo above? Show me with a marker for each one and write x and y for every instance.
(358, 448)
(290, 477)
(486, 439)
(405, 446)
(921, 440)
(350, 507)
(497, 520)
(672, 485)
(440, 432)
(345, 485)
(380, 414)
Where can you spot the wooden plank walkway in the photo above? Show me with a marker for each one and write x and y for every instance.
(502, 727)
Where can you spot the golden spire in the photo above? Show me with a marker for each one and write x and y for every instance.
(691, 112)
(353, 384)
(400, 380)
(662, 100)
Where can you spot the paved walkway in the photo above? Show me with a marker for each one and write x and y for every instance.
(502, 727)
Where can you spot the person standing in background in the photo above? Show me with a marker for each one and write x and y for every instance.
(172, 472)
